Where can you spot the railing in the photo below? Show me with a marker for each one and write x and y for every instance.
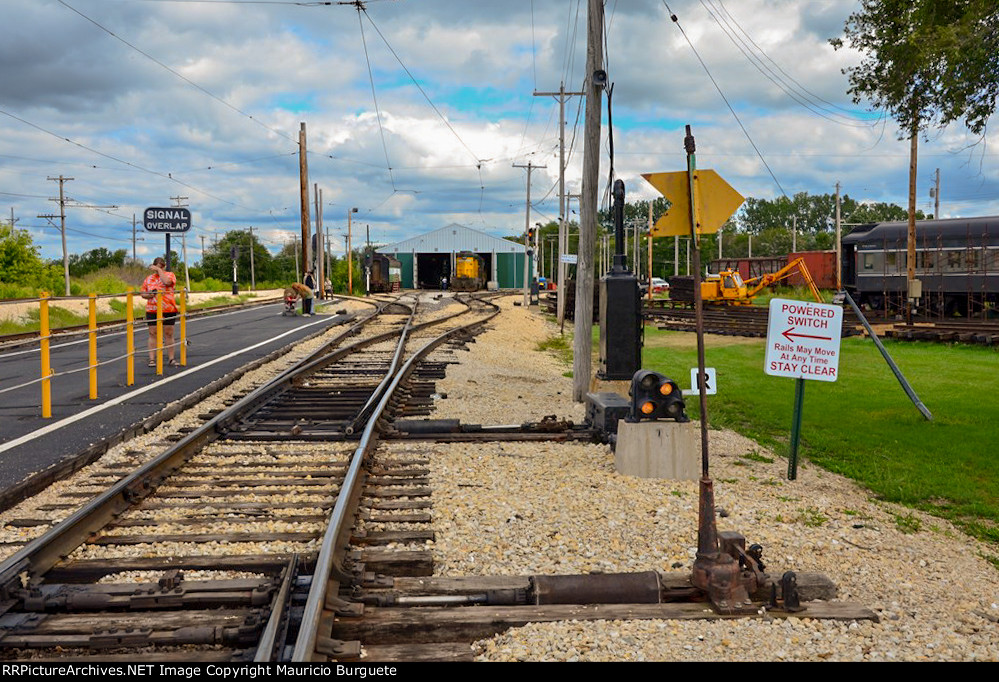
(45, 336)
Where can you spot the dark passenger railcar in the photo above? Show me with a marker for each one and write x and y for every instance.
(957, 263)
(385, 273)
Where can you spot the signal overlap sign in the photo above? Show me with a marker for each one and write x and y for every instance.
(803, 340)
(173, 219)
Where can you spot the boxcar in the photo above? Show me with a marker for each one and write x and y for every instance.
(957, 263)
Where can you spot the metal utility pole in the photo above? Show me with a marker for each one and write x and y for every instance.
(596, 79)
(298, 277)
(202, 251)
(183, 242)
(839, 253)
(527, 230)
(62, 227)
(253, 275)
(649, 273)
(562, 97)
(794, 234)
(350, 264)
(303, 179)
(318, 196)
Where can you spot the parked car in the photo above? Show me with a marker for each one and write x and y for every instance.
(659, 285)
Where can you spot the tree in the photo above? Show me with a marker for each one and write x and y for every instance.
(19, 260)
(928, 63)
(94, 260)
(217, 261)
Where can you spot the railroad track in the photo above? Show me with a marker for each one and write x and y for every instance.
(277, 533)
(952, 331)
(201, 552)
(727, 320)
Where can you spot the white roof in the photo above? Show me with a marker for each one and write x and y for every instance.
(453, 237)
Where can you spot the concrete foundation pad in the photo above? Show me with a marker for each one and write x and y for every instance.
(658, 449)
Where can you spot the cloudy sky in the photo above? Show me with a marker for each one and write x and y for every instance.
(418, 110)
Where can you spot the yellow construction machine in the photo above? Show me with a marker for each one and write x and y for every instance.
(728, 287)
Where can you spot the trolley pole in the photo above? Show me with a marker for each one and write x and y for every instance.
(527, 230)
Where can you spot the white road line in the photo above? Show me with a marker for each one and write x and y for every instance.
(139, 324)
(45, 430)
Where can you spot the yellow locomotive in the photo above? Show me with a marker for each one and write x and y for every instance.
(469, 272)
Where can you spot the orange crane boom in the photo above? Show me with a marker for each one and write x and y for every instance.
(797, 265)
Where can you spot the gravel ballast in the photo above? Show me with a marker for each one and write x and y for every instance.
(522, 508)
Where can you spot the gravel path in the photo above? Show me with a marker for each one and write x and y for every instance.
(518, 508)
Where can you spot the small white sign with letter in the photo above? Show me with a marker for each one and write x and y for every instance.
(803, 340)
(710, 382)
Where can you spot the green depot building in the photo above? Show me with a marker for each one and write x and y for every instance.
(428, 257)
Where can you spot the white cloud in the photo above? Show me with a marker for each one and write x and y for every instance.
(478, 62)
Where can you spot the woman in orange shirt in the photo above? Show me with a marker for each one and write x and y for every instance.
(160, 280)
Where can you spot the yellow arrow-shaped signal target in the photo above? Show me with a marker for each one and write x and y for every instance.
(717, 198)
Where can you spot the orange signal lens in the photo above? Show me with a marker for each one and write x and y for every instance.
(666, 388)
(648, 407)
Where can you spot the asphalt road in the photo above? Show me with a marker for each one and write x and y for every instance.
(219, 344)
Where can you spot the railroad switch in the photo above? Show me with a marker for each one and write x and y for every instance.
(723, 569)
(338, 648)
(789, 600)
(343, 608)
(112, 639)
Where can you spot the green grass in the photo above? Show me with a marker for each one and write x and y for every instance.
(558, 345)
(863, 426)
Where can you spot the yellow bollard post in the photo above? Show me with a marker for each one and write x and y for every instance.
(43, 335)
(92, 342)
(182, 301)
(129, 339)
(159, 333)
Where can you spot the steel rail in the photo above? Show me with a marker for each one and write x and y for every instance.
(339, 527)
(377, 393)
(45, 551)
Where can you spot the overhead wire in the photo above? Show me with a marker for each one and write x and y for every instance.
(374, 96)
(802, 97)
(745, 132)
(177, 74)
(167, 176)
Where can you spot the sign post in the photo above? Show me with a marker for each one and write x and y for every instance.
(803, 340)
(167, 220)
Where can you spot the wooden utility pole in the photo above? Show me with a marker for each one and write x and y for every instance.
(527, 229)
(133, 237)
(62, 227)
(936, 198)
(583, 340)
(303, 176)
(562, 239)
(910, 263)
